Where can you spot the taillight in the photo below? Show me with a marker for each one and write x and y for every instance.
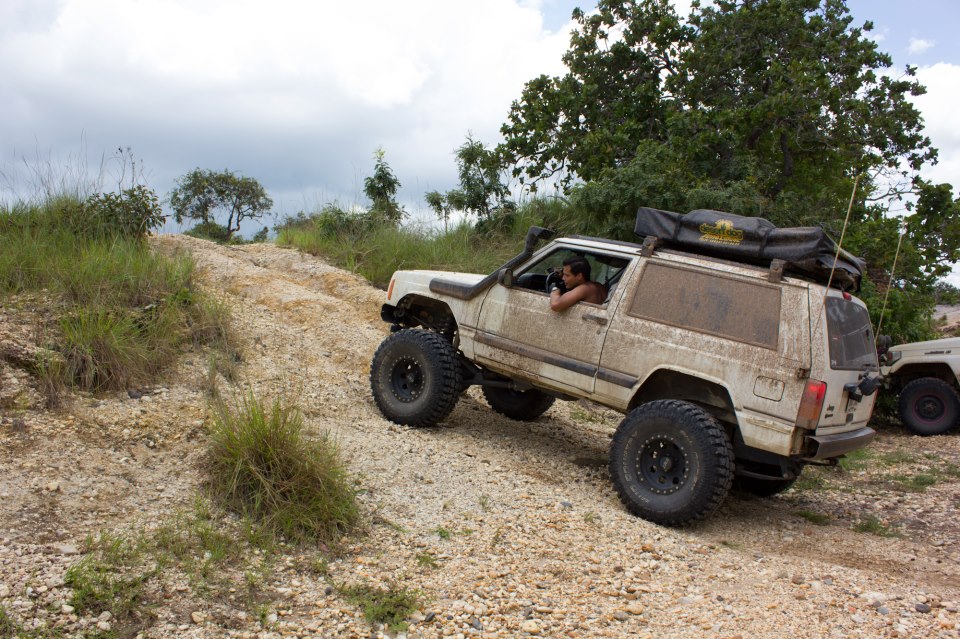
(811, 404)
(390, 289)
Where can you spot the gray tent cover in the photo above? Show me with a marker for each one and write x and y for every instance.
(808, 251)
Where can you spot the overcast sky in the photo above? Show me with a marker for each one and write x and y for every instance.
(300, 94)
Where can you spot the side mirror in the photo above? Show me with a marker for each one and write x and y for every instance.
(505, 277)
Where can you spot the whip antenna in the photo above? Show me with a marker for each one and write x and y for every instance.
(846, 220)
(836, 256)
(886, 294)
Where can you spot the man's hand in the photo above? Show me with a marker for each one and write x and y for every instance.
(555, 282)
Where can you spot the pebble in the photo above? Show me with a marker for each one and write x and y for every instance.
(922, 607)
(530, 626)
(198, 617)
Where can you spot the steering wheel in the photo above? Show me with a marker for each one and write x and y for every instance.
(554, 277)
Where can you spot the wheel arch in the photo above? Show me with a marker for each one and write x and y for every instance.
(910, 372)
(414, 310)
(666, 383)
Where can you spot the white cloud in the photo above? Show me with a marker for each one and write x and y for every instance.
(942, 119)
(295, 94)
(919, 45)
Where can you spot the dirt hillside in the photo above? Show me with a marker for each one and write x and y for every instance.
(524, 533)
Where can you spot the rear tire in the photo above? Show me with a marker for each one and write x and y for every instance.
(415, 378)
(671, 462)
(929, 406)
(523, 406)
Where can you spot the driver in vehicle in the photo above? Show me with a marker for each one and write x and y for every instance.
(574, 285)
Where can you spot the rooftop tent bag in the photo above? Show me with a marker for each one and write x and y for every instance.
(807, 251)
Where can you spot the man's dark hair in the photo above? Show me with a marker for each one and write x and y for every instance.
(578, 264)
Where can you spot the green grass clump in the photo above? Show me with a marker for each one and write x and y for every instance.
(855, 460)
(426, 560)
(124, 311)
(262, 465)
(111, 577)
(8, 627)
(915, 483)
(389, 606)
(874, 526)
(816, 518)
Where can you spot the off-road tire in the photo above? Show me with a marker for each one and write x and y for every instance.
(671, 462)
(523, 406)
(415, 378)
(762, 487)
(929, 406)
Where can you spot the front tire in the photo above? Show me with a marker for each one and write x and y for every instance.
(929, 406)
(415, 378)
(671, 462)
(523, 406)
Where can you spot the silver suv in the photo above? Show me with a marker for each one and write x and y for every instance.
(727, 372)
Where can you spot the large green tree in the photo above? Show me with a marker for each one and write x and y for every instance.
(773, 108)
(785, 93)
(200, 193)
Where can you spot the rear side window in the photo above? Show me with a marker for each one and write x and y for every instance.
(709, 303)
(851, 336)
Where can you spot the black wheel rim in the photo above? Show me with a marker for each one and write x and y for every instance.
(406, 379)
(662, 465)
(930, 408)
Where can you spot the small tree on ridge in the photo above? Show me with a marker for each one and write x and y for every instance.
(201, 192)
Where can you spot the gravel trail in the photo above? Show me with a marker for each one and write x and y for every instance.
(524, 534)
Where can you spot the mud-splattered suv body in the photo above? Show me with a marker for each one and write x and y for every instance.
(724, 370)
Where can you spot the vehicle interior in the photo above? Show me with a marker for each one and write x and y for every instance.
(605, 269)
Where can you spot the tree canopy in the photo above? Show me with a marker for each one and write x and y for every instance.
(785, 93)
(772, 108)
(201, 193)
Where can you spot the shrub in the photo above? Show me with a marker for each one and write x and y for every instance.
(210, 231)
(263, 466)
(131, 214)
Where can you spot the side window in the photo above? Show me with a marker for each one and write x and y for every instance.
(605, 269)
(709, 303)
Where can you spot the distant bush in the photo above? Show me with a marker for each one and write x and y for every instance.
(210, 231)
(263, 465)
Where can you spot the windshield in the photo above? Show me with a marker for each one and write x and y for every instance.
(851, 336)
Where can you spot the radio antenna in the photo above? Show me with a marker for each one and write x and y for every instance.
(886, 294)
(836, 256)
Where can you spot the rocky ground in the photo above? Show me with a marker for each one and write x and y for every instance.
(506, 529)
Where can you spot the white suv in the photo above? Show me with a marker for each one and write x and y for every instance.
(924, 374)
(727, 372)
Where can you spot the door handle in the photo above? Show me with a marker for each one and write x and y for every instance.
(599, 319)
